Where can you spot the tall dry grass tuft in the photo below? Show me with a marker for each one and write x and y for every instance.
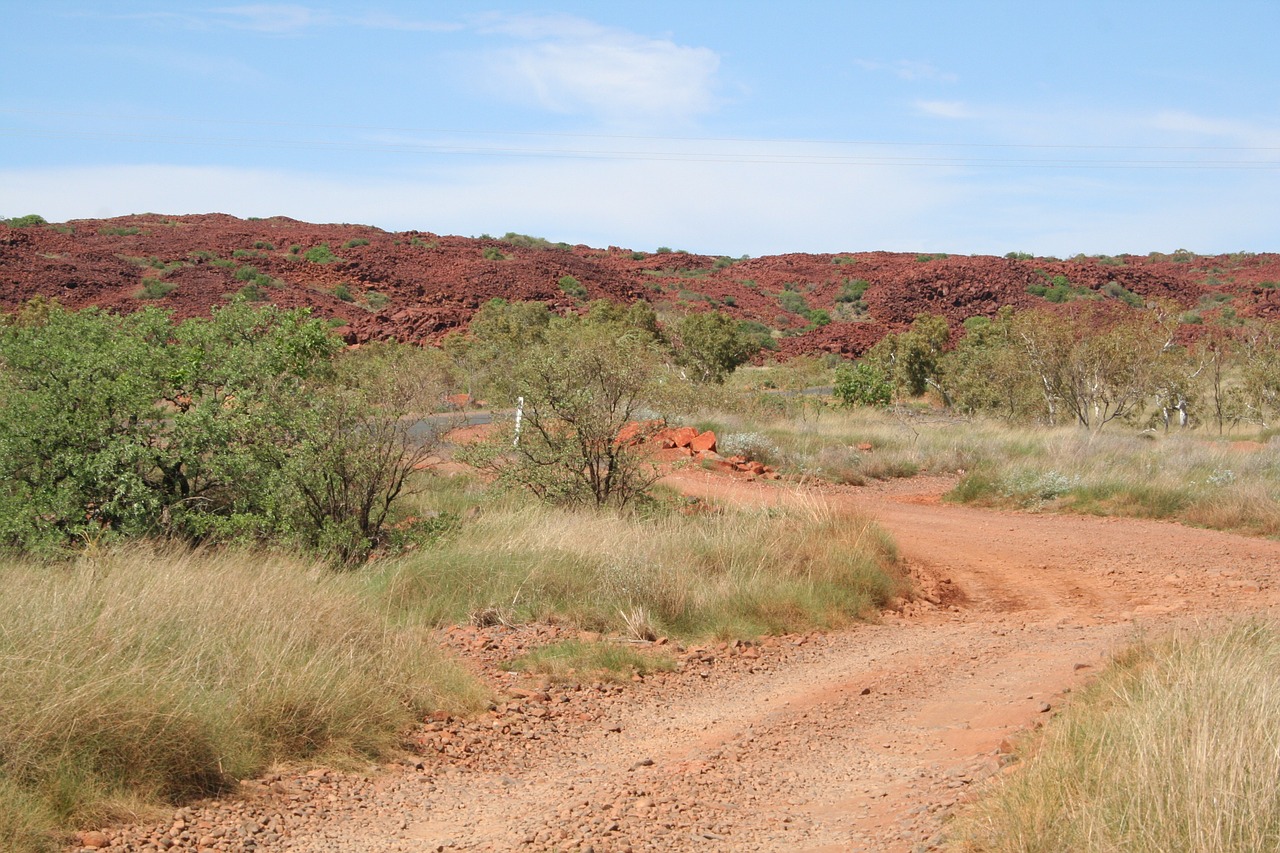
(148, 675)
(1175, 747)
(730, 573)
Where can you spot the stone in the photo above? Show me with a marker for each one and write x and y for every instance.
(94, 840)
(703, 442)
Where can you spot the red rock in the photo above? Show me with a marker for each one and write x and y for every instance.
(94, 840)
(704, 442)
(683, 436)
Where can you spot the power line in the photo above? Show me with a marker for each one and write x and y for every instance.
(740, 158)
(563, 134)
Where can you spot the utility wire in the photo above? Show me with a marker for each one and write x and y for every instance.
(790, 158)
(171, 119)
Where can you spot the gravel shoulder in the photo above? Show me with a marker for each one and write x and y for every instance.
(865, 739)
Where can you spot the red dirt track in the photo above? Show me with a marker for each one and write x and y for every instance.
(435, 283)
(860, 740)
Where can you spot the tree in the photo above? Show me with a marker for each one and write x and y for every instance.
(711, 345)
(986, 371)
(358, 443)
(1096, 363)
(581, 386)
(911, 360)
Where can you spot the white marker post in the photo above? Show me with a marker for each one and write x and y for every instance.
(519, 417)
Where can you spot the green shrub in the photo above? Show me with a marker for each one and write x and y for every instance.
(343, 292)
(264, 244)
(572, 287)
(25, 221)
(113, 424)
(245, 253)
(375, 300)
(862, 384)
(321, 254)
(638, 256)
(663, 250)
(355, 241)
(252, 293)
(129, 231)
(493, 253)
(246, 273)
(1115, 290)
(154, 288)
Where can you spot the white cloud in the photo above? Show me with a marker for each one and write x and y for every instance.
(272, 17)
(570, 65)
(945, 109)
(908, 69)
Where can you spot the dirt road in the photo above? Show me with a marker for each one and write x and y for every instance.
(861, 740)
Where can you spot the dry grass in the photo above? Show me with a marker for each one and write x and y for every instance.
(1176, 747)
(572, 659)
(736, 573)
(1189, 477)
(145, 676)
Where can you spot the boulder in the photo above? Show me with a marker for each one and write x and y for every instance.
(703, 442)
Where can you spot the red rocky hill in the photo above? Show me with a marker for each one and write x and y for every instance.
(416, 286)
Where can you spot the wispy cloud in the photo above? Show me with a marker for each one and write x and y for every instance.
(908, 69)
(945, 109)
(570, 65)
(287, 19)
(271, 17)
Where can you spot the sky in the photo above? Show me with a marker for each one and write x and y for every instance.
(727, 128)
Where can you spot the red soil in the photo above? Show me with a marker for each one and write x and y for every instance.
(433, 284)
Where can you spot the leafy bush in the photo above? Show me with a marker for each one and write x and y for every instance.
(343, 292)
(25, 221)
(252, 293)
(131, 425)
(862, 384)
(755, 446)
(355, 241)
(246, 273)
(376, 300)
(572, 286)
(1020, 256)
(321, 254)
(154, 288)
(127, 231)
(493, 253)
(264, 244)
(527, 242)
(1115, 290)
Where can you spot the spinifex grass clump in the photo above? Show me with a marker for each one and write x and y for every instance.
(139, 677)
(732, 573)
(1174, 748)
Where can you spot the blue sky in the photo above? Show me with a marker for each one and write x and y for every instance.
(719, 127)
